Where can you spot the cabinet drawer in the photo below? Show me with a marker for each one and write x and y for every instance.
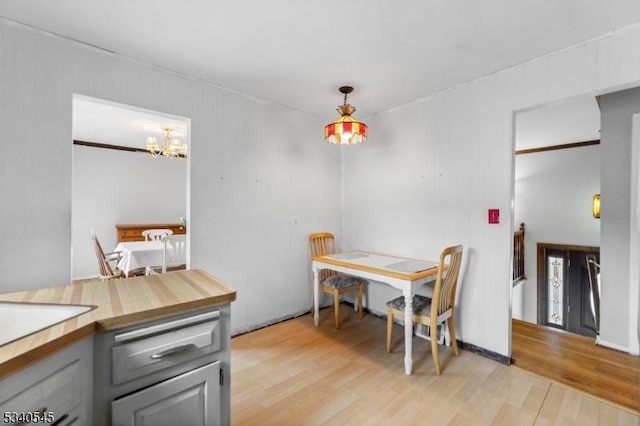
(70, 418)
(131, 233)
(57, 393)
(142, 355)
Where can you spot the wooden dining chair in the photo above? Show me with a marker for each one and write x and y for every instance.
(331, 282)
(435, 310)
(105, 269)
(156, 234)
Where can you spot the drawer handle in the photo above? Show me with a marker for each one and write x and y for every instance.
(174, 351)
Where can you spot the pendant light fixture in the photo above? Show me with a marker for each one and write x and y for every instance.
(345, 130)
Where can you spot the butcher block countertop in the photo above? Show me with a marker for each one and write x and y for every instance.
(119, 303)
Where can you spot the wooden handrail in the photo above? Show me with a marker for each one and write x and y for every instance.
(518, 254)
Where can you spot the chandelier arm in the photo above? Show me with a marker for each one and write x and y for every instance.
(173, 147)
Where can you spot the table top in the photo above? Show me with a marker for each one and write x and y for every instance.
(140, 254)
(120, 303)
(391, 266)
(139, 246)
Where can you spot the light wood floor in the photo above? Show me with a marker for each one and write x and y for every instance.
(576, 361)
(293, 373)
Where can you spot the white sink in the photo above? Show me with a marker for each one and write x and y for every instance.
(21, 319)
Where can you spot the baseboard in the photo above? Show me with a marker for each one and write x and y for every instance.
(245, 330)
(502, 359)
(85, 279)
(461, 344)
(610, 345)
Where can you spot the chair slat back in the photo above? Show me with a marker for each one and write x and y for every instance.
(156, 234)
(444, 291)
(177, 254)
(103, 266)
(322, 244)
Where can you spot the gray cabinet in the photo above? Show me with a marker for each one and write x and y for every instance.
(173, 371)
(57, 390)
(170, 371)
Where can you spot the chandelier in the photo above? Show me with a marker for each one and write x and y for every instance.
(345, 130)
(173, 147)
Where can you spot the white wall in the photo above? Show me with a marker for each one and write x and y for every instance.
(253, 165)
(518, 302)
(112, 187)
(553, 193)
(425, 178)
(431, 169)
(618, 256)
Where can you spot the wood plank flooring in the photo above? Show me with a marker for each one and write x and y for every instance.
(576, 361)
(293, 373)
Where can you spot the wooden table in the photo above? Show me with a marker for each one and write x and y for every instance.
(140, 255)
(402, 273)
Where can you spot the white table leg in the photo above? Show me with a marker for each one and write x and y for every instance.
(316, 297)
(446, 337)
(408, 332)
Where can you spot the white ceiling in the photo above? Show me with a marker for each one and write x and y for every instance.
(296, 52)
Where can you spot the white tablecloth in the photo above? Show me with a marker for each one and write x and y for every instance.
(140, 254)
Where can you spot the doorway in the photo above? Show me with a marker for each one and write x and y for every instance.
(116, 181)
(557, 172)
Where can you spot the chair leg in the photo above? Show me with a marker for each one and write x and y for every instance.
(313, 305)
(360, 301)
(452, 333)
(336, 308)
(434, 347)
(389, 329)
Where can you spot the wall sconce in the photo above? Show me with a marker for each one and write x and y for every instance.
(595, 206)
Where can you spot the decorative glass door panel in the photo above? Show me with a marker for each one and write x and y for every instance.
(555, 291)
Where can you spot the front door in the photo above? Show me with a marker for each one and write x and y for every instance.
(564, 295)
